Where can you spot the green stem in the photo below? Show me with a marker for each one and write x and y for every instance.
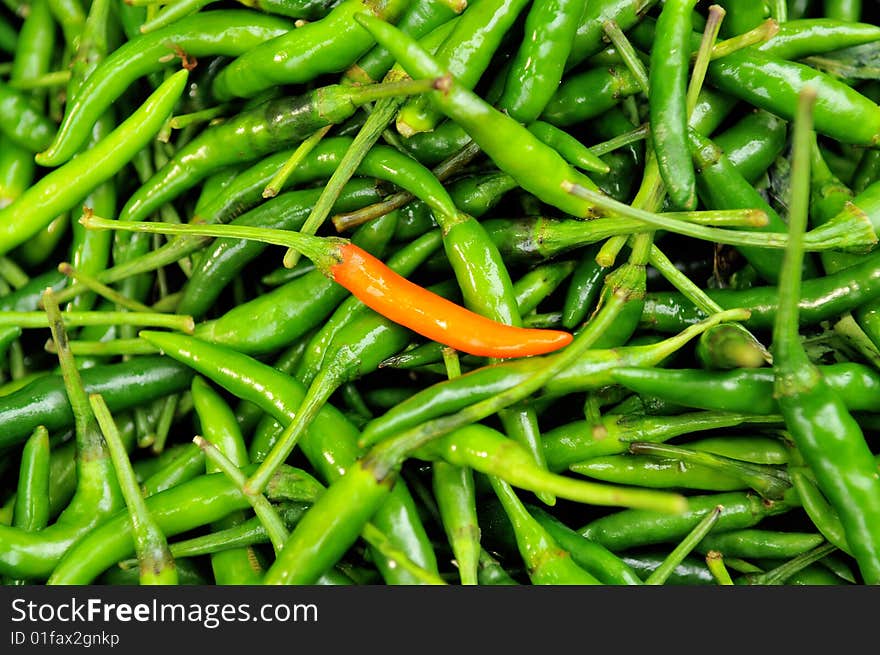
(704, 56)
(185, 120)
(270, 519)
(102, 289)
(301, 152)
(841, 238)
(662, 572)
(682, 282)
(155, 559)
(763, 32)
(322, 251)
(382, 544)
(12, 273)
(382, 114)
(638, 134)
(783, 572)
(319, 391)
(443, 171)
(80, 319)
(114, 348)
(786, 328)
(56, 78)
(628, 53)
(715, 563)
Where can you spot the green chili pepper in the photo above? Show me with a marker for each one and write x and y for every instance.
(25, 126)
(746, 390)
(753, 143)
(545, 561)
(157, 566)
(668, 111)
(826, 434)
(224, 32)
(31, 511)
(328, 45)
(590, 37)
(52, 194)
(34, 555)
(539, 62)
(417, 20)
(821, 298)
(465, 53)
(743, 15)
(588, 94)
(631, 528)
(123, 385)
(580, 440)
(208, 497)
(218, 425)
(270, 126)
(225, 258)
(592, 371)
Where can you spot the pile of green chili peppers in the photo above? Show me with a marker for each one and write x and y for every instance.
(190, 395)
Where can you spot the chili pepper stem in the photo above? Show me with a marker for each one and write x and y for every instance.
(134, 346)
(101, 289)
(380, 541)
(398, 447)
(156, 563)
(510, 462)
(268, 516)
(627, 52)
(703, 56)
(361, 95)
(382, 114)
(682, 282)
(661, 574)
(443, 170)
(715, 563)
(787, 351)
(765, 480)
(320, 390)
(184, 120)
(322, 251)
(763, 32)
(284, 173)
(858, 234)
(168, 253)
(79, 319)
(784, 571)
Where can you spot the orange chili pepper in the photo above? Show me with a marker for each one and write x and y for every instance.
(433, 316)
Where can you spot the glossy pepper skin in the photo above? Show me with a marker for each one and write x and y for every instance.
(328, 45)
(746, 390)
(821, 298)
(537, 67)
(440, 320)
(668, 73)
(466, 53)
(773, 83)
(24, 125)
(271, 126)
(223, 259)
